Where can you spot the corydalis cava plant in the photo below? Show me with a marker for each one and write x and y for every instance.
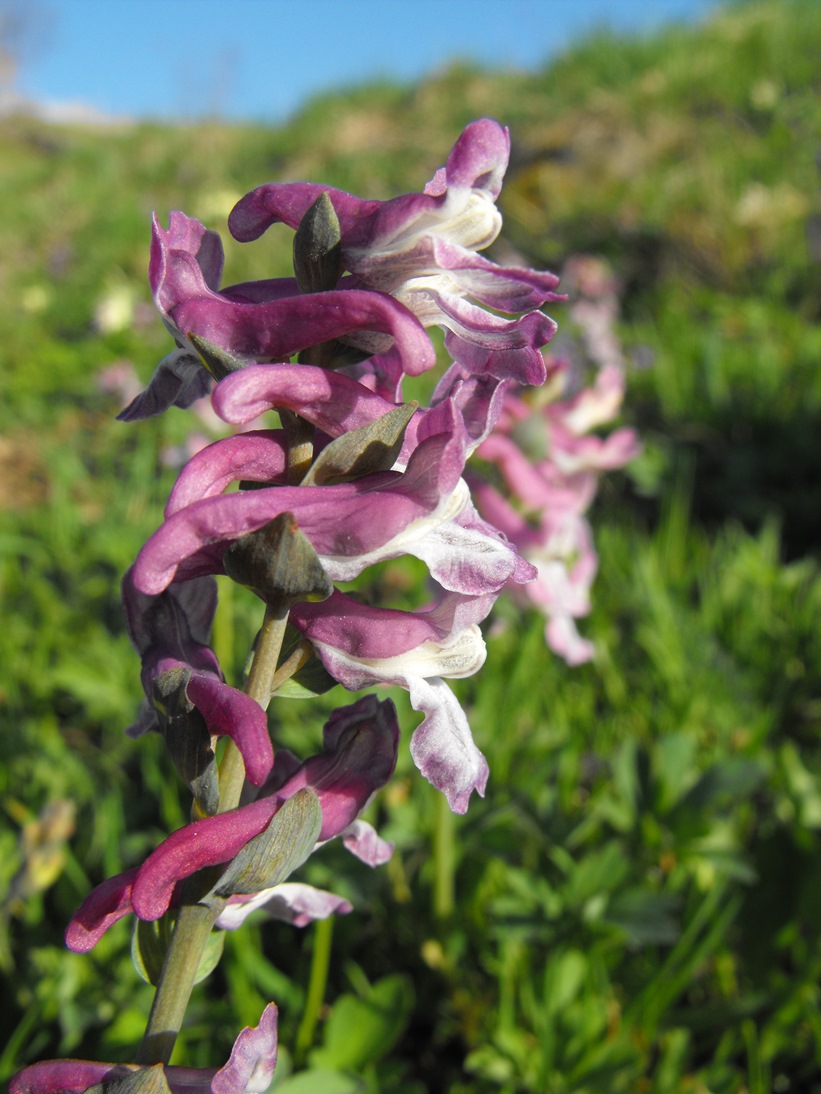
(343, 476)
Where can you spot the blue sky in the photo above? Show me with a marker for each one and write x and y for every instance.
(260, 59)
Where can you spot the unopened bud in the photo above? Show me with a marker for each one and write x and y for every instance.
(318, 248)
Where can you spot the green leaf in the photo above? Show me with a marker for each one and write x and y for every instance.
(146, 1080)
(361, 1030)
(318, 247)
(278, 563)
(647, 918)
(274, 854)
(219, 362)
(149, 943)
(311, 680)
(363, 451)
(320, 1079)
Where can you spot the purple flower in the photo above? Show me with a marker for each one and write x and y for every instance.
(361, 645)
(249, 1069)
(422, 509)
(170, 632)
(256, 321)
(350, 525)
(421, 248)
(359, 758)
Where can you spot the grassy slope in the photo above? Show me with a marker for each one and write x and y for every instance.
(635, 897)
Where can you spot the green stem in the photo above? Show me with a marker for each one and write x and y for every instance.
(320, 963)
(176, 981)
(258, 686)
(443, 860)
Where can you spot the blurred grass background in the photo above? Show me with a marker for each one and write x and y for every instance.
(635, 905)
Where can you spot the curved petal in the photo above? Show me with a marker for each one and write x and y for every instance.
(443, 747)
(64, 1077)
(346, 523)
(333, 403)
(231, 713)
(101, 909)
(179, 380)
(256, 456)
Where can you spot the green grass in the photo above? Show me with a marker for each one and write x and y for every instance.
(634, 904)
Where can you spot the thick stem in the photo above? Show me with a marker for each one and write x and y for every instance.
(182, 959)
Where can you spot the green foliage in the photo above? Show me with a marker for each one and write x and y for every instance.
(634, 904)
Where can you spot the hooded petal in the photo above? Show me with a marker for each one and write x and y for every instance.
(101, 909)
(250, 1067)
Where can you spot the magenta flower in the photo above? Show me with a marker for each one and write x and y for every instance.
(361, 645)
(257, 321)
(249, 1069)
(421, 248)
(359, 758)
(171, 632)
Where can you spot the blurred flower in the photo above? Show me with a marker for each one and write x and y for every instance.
(551, 466)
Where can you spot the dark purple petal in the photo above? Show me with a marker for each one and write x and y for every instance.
(287, 203)
(64, 1077)
(102, 908)
(179, 380)
(177, 624)
(231, 713)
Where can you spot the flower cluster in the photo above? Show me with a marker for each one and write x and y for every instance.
(347, 476)
(544, 453)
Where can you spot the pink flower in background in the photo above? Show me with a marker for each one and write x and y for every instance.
(551, 464)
